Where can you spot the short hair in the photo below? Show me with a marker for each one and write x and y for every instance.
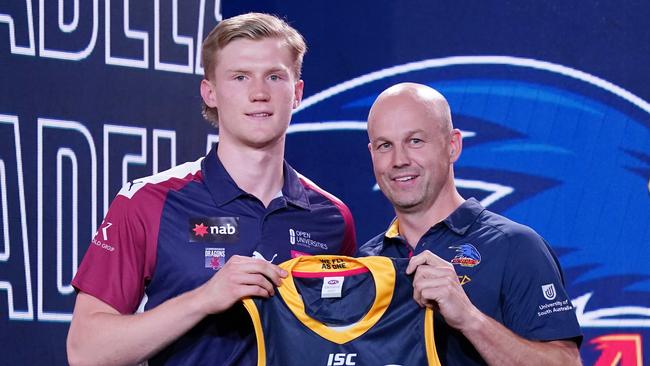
(252, 26)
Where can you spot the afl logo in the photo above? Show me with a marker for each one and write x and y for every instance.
(333, 282)
(292, 237)
(549, 291)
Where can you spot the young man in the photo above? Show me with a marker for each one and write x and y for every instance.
(489, 276)
(184, 238)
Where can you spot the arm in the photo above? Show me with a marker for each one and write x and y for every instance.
(100, 335)
(436, 285)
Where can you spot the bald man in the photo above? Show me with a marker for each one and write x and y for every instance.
(495, 284)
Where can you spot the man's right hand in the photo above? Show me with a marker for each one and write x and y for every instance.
(240, 277)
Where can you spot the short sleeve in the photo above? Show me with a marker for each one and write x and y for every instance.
(117, 263)
(536, 305)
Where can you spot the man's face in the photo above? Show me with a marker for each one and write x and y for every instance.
(410, 153)
(254, 91)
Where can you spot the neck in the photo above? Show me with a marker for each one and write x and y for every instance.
(414, 224)
(258, 171)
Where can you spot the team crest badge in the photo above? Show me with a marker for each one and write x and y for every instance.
(466, 255)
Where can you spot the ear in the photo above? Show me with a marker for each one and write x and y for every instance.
(370, 147)
(297, 93)
(456, 145)
(208, 94)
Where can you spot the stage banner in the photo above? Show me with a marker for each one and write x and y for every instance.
(552, 99)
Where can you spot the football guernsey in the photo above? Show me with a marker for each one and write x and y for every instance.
(506, 269)
(169, 233)
(337, 310)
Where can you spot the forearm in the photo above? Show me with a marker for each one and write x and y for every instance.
(101, 336)
(500, 346)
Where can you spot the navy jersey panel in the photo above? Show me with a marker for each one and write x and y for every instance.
(506, 269)
(398, 337)
(173, 231)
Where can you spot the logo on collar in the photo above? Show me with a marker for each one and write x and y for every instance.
(466, 255)
(214, 229)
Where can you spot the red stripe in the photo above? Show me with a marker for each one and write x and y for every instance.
(350, 272)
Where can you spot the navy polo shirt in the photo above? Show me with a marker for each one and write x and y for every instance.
(507, 270)
(169, 233)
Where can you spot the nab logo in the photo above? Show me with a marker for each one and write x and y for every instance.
(214, 229)
(339, 359)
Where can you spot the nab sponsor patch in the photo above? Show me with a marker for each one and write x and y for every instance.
(214, 229)
(215, 258)
(466, 255)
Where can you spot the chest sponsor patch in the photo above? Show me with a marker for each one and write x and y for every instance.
(214, 229)
(304, 239)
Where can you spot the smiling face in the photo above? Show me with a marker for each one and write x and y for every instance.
(412, 146)
(255, 90)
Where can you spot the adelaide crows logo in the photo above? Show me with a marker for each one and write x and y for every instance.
(555, 148)
(466, 255)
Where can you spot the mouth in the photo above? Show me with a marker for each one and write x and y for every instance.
(405, 178)
(259, 114)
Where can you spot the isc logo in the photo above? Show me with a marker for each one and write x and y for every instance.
(340, 359)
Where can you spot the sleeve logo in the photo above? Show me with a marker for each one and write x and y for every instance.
(549, 291)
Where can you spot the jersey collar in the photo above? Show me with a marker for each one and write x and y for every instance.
(382, 271)
(224, 189)
(458, 221)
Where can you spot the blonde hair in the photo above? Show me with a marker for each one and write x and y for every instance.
(252, 26)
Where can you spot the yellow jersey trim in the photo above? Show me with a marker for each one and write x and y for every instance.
(393, 229)
(259, 332)
(383, 273)
(429, 339)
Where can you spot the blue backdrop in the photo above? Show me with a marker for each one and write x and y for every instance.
(552, 98)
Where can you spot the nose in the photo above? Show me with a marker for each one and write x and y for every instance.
(259, 91)
(400, 156)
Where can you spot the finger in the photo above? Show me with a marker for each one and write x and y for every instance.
(252, 291)
(428, 271)
(271, 271)
(425, 257)
(248, 279)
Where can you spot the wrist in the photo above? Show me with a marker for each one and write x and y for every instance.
(197, 301)
(475, 323)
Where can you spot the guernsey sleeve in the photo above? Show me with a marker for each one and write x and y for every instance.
(121, 255)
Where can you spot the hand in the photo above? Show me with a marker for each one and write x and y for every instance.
(436, 285)
(240, 277)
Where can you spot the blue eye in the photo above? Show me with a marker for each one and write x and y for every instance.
(384, 146)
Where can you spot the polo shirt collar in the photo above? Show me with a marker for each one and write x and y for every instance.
(458, 221)
(464, 216)
(224, 189)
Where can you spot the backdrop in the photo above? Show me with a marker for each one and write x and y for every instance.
(552, 98)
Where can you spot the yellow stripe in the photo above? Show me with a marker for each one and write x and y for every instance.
(393, 229)
(382, 271)
(429, 339)
(259, 332)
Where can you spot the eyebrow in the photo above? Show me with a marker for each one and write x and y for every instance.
(247, 71)
(408, 134)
